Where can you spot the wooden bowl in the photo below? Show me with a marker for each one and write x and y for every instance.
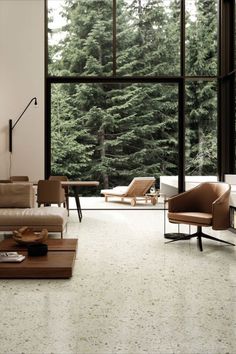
(26, 236)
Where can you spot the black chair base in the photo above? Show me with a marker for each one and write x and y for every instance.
(177, 236)
(199, 235)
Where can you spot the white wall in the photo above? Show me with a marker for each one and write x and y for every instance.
(22, 78)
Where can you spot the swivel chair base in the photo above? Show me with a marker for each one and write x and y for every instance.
(199, 234)
(176, 236)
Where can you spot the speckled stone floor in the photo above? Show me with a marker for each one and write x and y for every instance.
(130, 293)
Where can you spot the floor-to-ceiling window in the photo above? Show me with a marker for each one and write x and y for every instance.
(109, 132)
(201, 88)
(132, 89)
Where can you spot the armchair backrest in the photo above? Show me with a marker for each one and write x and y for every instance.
(208, 197)
(213, 197)
(201, 197)
(206, 194)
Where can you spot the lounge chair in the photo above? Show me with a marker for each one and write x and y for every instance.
(137, 189)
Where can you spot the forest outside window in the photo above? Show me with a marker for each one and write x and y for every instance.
(100, 52)
(114, 132)
(201, 38)
(201, 128)
(82, 36)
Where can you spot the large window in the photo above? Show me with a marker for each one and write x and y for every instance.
(103, 37)
(148, 37)
(201, 37)
(113, 132)
(201, 129)
(134, 88)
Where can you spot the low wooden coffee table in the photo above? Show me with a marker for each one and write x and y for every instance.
(58, 263)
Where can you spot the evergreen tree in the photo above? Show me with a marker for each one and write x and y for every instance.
(117, 131)
(147, 124)
(70, 155)
(87, 50)
(131, 128)
(201, 139)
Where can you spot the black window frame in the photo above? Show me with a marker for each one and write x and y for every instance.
(225, 90)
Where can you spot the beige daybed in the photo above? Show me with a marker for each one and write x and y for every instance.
(17, 209)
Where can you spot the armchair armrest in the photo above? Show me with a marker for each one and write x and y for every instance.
(220, 212)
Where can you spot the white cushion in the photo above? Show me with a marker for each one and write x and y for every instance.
(120, 190)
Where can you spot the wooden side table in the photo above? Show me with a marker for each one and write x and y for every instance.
(153, 197)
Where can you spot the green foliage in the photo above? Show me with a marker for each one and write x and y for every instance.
(201, 110)
(114, 132)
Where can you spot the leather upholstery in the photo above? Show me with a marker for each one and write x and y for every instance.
(50, 192)
(191, 218)
(205, 205)
(66, 188)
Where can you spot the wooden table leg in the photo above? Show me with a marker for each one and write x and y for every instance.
(77, 200)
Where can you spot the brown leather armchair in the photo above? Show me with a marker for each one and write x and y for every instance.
(205, 205)
(50, 192)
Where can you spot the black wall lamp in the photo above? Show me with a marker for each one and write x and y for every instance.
(11, 127)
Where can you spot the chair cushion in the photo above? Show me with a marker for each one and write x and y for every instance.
(191, 218)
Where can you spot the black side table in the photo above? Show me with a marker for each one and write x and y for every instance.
(174, 235)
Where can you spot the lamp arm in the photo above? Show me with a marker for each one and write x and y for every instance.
(33, 99)
(12, 126)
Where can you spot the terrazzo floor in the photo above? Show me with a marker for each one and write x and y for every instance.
(130, 294)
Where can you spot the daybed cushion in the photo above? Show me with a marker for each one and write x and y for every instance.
(51, 216)
(120, 190)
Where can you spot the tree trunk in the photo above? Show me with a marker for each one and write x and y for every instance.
(200, 151)
(101, 138)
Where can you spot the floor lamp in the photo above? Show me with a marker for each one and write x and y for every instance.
(12, 126)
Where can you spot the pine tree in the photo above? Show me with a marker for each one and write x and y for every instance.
(87, 50)
(201, 96)
(69, 153)
(146, 141)
(117, 131)
(131, 129)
